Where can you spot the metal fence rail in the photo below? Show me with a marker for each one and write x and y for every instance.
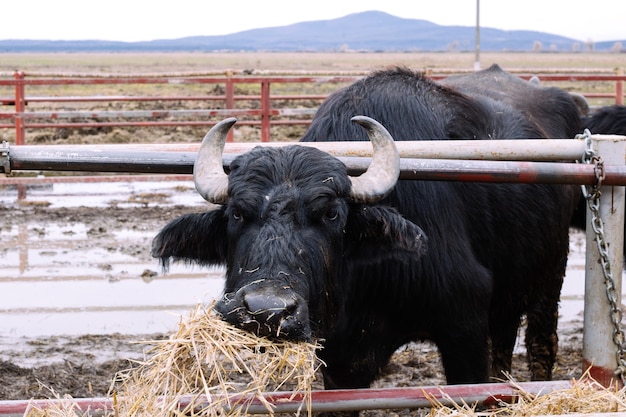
(122, 159)
(335, 400)
(264, 114)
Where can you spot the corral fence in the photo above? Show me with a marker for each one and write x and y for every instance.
(261, 101)
(604, 349)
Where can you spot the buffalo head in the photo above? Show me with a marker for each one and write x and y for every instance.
(290, 227)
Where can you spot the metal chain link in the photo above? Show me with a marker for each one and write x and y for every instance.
(5, 162)
(592, 195)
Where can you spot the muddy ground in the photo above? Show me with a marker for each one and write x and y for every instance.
(85, 365)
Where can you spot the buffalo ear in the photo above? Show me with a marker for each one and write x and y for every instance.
(194, 238)
(381, 232)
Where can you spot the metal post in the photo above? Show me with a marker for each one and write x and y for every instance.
(230, 100)
(619, 88)
(477, 47)
(599, 348)
(20, 107)
(266, 109)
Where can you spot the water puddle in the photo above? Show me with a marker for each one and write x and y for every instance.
(68, 277)
(64, 276)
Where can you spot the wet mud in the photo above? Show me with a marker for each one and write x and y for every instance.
(79, 289)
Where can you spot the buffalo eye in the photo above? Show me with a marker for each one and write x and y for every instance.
(235, 214)
(332, 213)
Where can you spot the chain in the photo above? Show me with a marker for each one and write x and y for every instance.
(592, 195)
(5, 162)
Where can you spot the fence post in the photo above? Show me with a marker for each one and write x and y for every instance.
(265, 111)
(230, 100)
(619, 88)
(599, 348)
(20, 107)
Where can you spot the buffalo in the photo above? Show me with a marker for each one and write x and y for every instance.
(608, 120)
(366, 264)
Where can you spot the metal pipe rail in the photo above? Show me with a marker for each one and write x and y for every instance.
(414, 165)
(502, 150)
(332, 400)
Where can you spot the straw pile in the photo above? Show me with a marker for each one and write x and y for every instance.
(207, 361)
(586, 396)
(64, 406)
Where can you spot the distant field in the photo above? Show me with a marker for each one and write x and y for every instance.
(330, 62)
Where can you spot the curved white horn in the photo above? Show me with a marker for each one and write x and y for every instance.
(208, 170)
(382, 174)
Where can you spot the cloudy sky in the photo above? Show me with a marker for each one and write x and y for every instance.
(135, 20)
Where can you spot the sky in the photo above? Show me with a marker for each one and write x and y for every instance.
(139, 20)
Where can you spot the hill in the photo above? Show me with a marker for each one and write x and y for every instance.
(367, 31)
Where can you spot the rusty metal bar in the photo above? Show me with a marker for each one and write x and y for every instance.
(85, 159)
(155, 114)
(501, 171)
(576, 77)
(266, 107)
(229, 91)
(87, 99)
(333, 400)
(184, 80)
(93, 179)
(194, 123)
(20, 107)
(619, 87)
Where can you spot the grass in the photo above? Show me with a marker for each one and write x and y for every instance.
(203, 63)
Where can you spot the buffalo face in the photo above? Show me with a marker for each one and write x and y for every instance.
(286, 214)
(289, 226)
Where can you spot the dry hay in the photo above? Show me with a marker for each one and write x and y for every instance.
(64, 406)
(206, 362)
(214, 369)
(585, 396)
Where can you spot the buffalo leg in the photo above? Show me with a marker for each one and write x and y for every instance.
(503, 331)
(354, 367)
(465, 358)
(542, 346)
(541, 331)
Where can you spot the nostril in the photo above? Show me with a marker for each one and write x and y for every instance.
(291, 308)
(265, 304)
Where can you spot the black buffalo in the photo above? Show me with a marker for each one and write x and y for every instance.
(310, 254)
(609, 120)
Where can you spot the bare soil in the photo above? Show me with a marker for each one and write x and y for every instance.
(85, 366)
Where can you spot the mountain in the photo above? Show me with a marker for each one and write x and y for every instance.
(366, 31)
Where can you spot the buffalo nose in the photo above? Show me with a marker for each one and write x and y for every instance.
(266, 306)
(267, 313)
(274, 311)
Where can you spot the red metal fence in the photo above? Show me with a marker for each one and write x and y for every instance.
(261, 113)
